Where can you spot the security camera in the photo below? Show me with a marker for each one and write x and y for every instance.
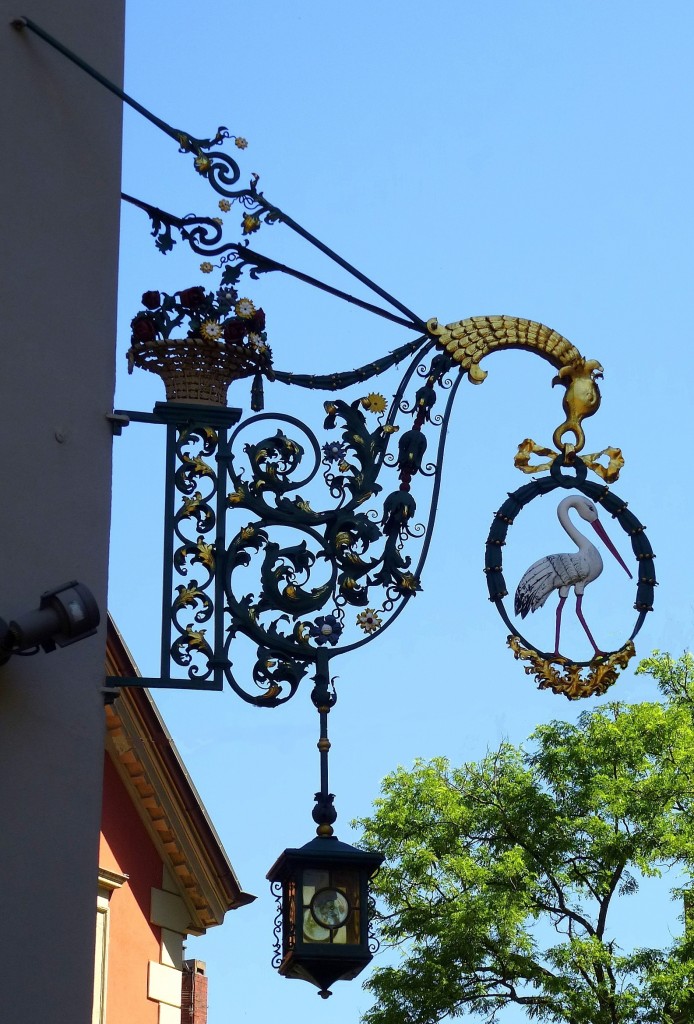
(66, 614)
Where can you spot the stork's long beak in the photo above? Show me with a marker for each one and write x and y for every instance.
(600, 530)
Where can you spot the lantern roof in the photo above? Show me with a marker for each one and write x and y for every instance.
(324, 849)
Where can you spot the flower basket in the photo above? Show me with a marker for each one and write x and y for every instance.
(194, 369)
(226, 341)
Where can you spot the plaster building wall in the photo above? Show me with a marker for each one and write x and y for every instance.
(133, 941)
(60, 216)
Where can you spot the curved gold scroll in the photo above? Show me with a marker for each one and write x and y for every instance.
(469, 341)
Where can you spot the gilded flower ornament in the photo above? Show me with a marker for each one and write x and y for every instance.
(245, 309)
(210, 330)
(206, 267)
(409, 582)
(257, 343)
(224, 205)
(250, 223)
(369, 620)
(374, 403)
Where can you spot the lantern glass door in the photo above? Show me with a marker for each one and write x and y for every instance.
(330, 907)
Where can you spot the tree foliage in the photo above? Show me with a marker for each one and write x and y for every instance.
(501, 875)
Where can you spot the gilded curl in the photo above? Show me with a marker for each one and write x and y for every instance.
(469, 341)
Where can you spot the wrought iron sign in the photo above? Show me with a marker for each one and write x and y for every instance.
(306, 547)
(330, 577)
(349, 569)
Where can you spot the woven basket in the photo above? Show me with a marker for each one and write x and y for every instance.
(193, 369)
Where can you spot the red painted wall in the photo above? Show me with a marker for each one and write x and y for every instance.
(126, 847)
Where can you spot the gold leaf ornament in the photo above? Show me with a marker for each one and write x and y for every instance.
(205, 553)
(191, 504)
(558, 674)
(188, 595)
(609, 473)
(198, 464)
(196, 638)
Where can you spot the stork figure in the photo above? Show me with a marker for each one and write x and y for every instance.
(562, 572)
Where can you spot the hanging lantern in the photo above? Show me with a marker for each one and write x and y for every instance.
(323, 914)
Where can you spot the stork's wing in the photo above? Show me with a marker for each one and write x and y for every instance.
(542, 578)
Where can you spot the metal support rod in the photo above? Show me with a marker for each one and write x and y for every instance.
(24, 22)
(266, 263)
(323, 697)
(412, 317)
(167, 583)
(324, 748)
(185, 140)
(324, 813)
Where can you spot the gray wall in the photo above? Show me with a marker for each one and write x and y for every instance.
(60, 208)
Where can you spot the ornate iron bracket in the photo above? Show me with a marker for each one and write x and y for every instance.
(361, 552)
(357, 546)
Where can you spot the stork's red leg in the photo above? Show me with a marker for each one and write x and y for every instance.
(558, 628)
(579, 613)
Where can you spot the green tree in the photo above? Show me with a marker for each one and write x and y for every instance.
(500, 876)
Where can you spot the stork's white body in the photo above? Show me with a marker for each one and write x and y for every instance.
(562, 572)
(559, 572)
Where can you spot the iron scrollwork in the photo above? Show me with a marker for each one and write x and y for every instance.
(318, 587)
(324, 580)
(194, 522)
(303, 579)
(374, 941)
(276, 890)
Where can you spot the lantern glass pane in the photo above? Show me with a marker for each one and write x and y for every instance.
(314, 880)
(330, 906)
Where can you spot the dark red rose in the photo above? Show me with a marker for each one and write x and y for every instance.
(236, 330)
(257, 321)
(151, 300)
(191, 298)
(143, 329)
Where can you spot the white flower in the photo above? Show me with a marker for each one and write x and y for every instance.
(256, 343)
(210, 330)
(369, 620)
(245, 309)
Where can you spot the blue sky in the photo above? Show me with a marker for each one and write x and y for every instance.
(527, 158)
